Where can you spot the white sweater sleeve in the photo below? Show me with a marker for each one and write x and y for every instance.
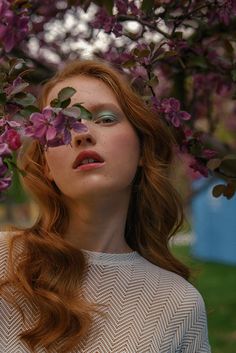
(195, 339)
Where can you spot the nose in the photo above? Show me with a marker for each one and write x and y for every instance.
(83, 137)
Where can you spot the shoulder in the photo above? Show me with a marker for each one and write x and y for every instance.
(179, 306)
(174, 289)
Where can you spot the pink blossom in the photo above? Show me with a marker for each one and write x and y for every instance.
(12, 138)
(16, 86)
(198, 166)
(204, 83)
(139, 72)
(3, 168)
(125, 7)
(170, 107)
(13, 27)
(122, 6)
(5, 182)
(114, 56)
(52, 128)
(134, 9)
(178, 44)
(41, 126)
(188, 133)
(144, 60)
(4, 149)
(106, 22)
(226, 10)
(208, 154)
(64, 124)
(7, 123)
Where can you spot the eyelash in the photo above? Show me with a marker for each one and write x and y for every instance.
(107, 116)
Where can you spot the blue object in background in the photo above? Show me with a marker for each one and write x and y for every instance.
(214, 225)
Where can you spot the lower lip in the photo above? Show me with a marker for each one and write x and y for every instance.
(90, 166)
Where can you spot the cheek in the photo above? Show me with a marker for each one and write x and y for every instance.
(128, 142)
(125, 149)
(56, 162)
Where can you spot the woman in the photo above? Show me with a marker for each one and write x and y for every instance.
(94, 273)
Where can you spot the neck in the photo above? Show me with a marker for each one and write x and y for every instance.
(99, 225)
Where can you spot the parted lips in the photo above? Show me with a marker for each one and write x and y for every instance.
(87, 155)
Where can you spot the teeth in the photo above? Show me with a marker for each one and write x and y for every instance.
(88, 160)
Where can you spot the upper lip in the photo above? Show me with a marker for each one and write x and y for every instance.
(86, 155)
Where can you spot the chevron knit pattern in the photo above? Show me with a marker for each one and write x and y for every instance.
(149, 309)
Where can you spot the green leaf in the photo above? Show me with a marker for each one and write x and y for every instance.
(147, 5)
(229, 48)
(233, 75)
(66, 93)
(167, 54)
(214, 163)
(72, 2)
(228, 166)
(153, 81)
(129, 63)
(19, 88)
(198, 61)
(84, 113)
(229, 191)
(143, 53)
(108, 4)
(3, 98)
(65, 103)
(3, 76)
(73, 111)
(195, 149)
(218, 190)
(26, 112)
(24, 99)
(16, 192)
(178, 35)
(55, 103)
(13, 63)
(9, 161)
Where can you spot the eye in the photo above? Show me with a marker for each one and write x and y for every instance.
(106, 119)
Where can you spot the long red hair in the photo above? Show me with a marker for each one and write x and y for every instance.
(50, 270)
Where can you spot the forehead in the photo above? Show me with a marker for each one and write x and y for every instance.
(89, 91)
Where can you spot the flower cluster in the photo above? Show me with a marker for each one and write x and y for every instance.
(52, 126)
(9, 135)
(226, 10)
(124, 7)
(9, 141)
(205, 83)
(13, 26)
(5, 178)
(107, 23)
(193, 145)
(170, 108)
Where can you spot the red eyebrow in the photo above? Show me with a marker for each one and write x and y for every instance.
(97, 106)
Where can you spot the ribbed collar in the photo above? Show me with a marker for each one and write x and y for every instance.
(101, 258)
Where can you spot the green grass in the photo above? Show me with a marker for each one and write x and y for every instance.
(217, 284)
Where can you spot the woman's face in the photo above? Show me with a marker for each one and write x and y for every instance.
(109, 134)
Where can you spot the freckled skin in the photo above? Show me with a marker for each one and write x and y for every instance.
(116, 142)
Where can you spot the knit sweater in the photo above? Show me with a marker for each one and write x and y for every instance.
(150, 310)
